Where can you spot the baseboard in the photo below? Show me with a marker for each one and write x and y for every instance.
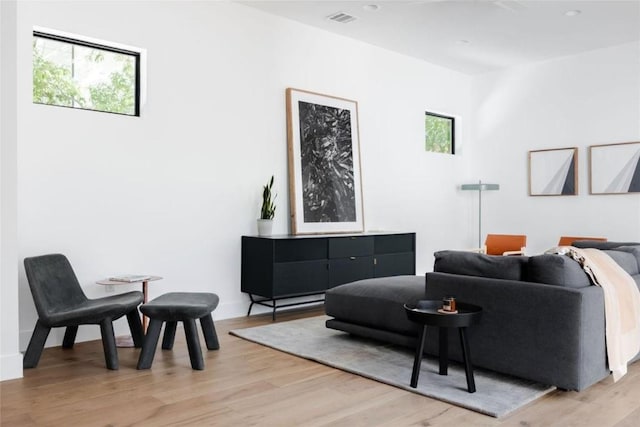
(10, 366)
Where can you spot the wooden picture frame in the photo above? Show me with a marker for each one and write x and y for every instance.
(614, 168)
(553, 172)
(325, 186)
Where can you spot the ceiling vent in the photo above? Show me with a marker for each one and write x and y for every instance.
(341, 17)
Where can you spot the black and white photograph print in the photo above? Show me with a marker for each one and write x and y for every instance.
(614, 168)
(326, 158)
(553, 172)
(324, 163)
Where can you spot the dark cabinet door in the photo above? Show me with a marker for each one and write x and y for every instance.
(345, 270)
(394, 264)
(298, 278)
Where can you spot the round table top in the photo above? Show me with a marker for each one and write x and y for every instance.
(426, 312)
(121, 282)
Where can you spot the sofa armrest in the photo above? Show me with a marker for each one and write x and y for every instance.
(547, 333)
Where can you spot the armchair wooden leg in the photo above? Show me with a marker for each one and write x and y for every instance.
(145, 359)
(69, 336)
(169, 335)
(36, 345)
(109, 344)
(209, 332)
(135, 326)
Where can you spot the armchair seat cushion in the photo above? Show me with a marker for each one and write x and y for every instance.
(92, 311)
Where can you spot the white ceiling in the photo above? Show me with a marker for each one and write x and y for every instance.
(498, 33)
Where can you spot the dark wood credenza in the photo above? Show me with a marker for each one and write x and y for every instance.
(286, 266)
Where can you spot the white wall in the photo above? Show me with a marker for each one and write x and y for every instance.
(170, 193)
(577, 101)
(10, 357)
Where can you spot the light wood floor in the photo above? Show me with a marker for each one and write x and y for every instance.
(248, 384)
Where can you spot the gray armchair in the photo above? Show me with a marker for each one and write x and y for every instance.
(60, 302)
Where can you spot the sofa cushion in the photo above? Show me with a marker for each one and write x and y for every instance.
(475, 264)
(556, 270)
(635, 251)
(377, 303)
(626, 260)
(601, 245)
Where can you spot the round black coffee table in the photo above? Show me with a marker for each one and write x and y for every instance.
(426, 313)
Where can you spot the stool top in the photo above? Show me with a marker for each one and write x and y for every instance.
(174, 306)
(426, 313)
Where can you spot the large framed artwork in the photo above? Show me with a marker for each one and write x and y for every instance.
(614, 168)
(325, 186)
(553, 172)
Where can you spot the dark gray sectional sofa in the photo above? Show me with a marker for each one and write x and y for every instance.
(542, 318)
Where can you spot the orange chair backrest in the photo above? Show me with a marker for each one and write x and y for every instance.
(567, 240)
(497, 244)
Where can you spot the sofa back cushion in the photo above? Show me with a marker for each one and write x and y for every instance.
(625, 259)
(601, 245)
(475, 264)
(625, 256)
(558, 270)
(562, 270)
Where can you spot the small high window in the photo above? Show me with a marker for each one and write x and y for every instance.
(439, 133)
(85, 75)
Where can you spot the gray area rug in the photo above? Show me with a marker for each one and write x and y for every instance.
(497, 395)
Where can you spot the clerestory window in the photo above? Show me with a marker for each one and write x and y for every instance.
(80, 74)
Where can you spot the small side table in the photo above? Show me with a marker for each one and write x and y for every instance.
(426, 313)
(145, 282)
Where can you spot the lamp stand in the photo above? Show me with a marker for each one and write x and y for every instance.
(480, 186)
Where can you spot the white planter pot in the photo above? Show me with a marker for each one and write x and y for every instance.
(265, 227)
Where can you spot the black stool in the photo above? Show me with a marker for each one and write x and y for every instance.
(176, 307)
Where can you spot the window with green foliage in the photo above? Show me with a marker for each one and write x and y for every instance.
(439, 133)
(78, 74)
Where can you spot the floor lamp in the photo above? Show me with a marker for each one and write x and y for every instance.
(480, 187)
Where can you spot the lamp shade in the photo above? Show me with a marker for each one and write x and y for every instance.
(480, 187)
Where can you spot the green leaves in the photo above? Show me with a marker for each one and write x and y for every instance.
(68, 75)
(52, 83)
(438, 134)
(268, 209)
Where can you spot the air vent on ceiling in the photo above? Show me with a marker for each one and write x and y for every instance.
(341, 17)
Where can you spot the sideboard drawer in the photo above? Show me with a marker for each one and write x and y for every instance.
(394, 243)
(300, 249)
(344, 247)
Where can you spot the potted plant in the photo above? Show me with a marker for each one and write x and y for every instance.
(268, 210)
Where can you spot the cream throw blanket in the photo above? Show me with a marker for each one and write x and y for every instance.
(621, 305)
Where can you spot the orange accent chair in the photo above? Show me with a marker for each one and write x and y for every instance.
(505, 244)
(568, 241)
